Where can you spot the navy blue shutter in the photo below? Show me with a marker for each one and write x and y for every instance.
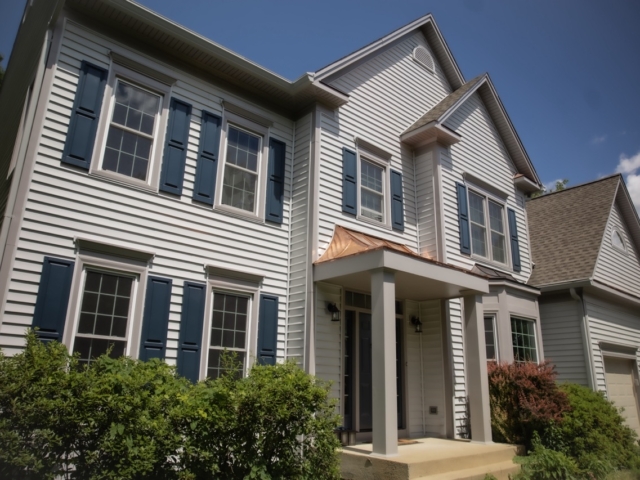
(268, 330)
(349, 182)
(191, 322)
(175, 147)
(275, 181)
(85, 115)
(207, 164)
(463, 219)
(53, 298)
(153, 340)
(397, 201)
(515, 244)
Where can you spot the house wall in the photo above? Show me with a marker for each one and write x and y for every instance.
(611, 322)
(64, 202)
(562, 335)
(614, 267)
(426, 202)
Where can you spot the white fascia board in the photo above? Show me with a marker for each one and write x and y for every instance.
(612, 291)
(515, 286)
(554, 287)
(435, 131)
(445, 116)
(629, 212)
(372, 47)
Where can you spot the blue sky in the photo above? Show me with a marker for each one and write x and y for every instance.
(567, 71)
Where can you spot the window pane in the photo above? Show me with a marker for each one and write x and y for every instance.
(238, 189)
(495, 217)
(243, 149)
(229, 321)
(490, 338)
(135, 102)
(524, 340)
(498, 247)
(371, 205)
(478, 240)
(371, 176)
(476, 208)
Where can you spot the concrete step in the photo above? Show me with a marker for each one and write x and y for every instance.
(500, 470)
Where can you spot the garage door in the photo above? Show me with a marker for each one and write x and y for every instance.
(621, 388)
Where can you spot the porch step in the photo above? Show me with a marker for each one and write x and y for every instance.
(499, 470)
(430, 459)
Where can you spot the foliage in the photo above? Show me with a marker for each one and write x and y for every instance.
(594, 433)
(1, 70)
(544, 463)
(560, 185)
(524, 398)
(122, 418)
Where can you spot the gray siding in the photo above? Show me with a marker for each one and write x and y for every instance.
(328, 340)
(299, 241)
(561, 322)
(64, 202)
(614, 267)
(614, 323)
(426, 206)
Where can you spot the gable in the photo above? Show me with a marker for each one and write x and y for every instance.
(616, 267)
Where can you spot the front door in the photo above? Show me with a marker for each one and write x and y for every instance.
(358, 405)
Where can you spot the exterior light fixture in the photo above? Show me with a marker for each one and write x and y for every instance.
(418, 324)
(335, 312)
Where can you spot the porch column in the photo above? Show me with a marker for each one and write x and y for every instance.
(383, 351)
(475, 359)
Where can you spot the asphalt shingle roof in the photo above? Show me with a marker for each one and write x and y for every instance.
(566, 229)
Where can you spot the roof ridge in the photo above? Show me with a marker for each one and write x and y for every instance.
(574, 187)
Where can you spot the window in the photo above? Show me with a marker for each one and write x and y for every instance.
(132, 128)
(104, 315)
(488, 238)
(229, 322)
(524, 340)
(243, 174)
(617, 241)
(371, 191)
(490, 337)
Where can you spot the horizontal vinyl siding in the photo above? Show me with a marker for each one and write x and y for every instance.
(614, 267)
(482, 154)
(561, 324)
(65, 202)
(425, 205)
(611, 323)
(299, 246)
(459, 375)
(328, 340)
(387, 94)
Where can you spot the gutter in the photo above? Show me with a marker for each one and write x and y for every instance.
(586, 337)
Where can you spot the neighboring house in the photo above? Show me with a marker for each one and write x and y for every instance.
(586, 247)
(170, 198)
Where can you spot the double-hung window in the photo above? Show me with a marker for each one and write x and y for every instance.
(372, 198)
(523, 334)
(490, 337)
(488, 237)
(133, 126)
(229, 326)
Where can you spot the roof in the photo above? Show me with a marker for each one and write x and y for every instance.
(438, 115)
(566, 229)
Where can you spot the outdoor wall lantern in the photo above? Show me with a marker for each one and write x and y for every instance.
(335, 312)
(418, 324)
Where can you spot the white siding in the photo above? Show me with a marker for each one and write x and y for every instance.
(612, 323)
(387, 93)
(425, 373)
(481, 154)
(425, 205)
(299, 241)
(616, 268)
(561, 323)
(64, 202)
(328, 339)
(456, 324)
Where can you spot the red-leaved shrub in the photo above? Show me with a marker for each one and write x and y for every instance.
(524, 398)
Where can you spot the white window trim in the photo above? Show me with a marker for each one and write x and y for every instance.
(507, 243)
(535, 333)
(117, 72)
(229, 283)
(493, 316)
(384, 163)
(118, 266)
(622, 249)
(263, 161)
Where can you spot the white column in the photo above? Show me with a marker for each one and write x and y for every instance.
(475, 359)
(383, 350)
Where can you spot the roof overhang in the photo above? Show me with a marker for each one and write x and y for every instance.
(592, 286)
(415, 278)
(525, 184)
(431, 132)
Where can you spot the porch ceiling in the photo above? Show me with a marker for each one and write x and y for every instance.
(417, 278)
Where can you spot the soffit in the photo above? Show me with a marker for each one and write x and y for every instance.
(566, 229)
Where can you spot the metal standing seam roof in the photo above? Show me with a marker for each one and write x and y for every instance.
(566, 229)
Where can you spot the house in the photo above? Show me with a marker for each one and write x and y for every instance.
(170, 198)
(586, 242)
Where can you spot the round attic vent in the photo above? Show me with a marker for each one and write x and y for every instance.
(424, 58)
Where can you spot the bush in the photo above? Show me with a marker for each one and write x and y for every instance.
(594, 433)
(122, 418)
(524, 399)
(544, 463)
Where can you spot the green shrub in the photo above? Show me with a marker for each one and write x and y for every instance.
(524, 399)
(544, 463)
(594, 432)
(122, 418)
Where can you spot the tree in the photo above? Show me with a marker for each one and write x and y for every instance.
(560, 185)
(1, 69)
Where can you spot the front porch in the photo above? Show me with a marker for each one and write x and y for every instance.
(430, 459)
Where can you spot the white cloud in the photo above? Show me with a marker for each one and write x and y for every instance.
(598, 139)
(630, 168)
(551, 185)
(628, 164)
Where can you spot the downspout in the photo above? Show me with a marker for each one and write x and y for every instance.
(586, 337)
